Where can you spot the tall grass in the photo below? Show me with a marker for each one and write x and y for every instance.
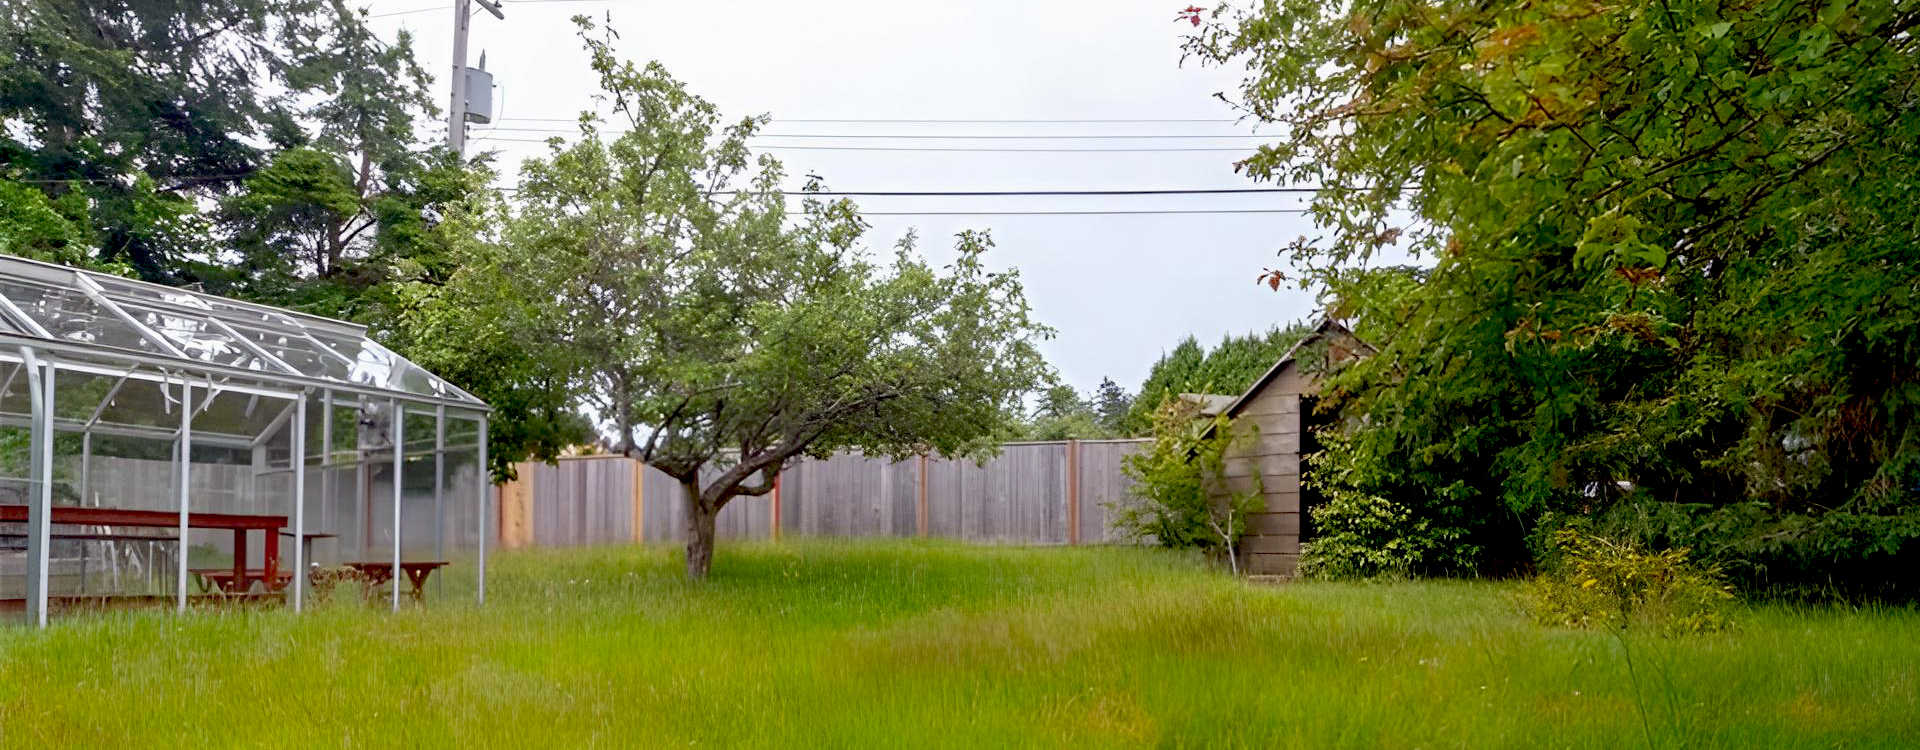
(817, 644)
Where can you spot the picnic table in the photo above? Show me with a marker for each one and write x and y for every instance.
(377, 573)
(239, 579)
(229, 581)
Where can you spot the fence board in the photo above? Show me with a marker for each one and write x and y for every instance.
(1019, 497)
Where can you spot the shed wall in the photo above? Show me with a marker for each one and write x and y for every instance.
(1267, 451)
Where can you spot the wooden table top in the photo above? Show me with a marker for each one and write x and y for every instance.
(73, 514)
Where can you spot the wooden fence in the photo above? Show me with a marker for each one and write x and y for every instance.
(1032, 493)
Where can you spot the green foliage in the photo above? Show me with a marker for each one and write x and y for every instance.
(1672, 252)
(1110, 405)
(1229, 368)
(659, 274)
(32, 225)
(1370, 525)
(1181, 496)
(1063, 415)
(1828, 556)
(183, 95)
(290, 214)
(1594, 582)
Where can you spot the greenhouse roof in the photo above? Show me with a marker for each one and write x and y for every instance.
(101, 316)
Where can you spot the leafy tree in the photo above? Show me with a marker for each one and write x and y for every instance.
(721, 336)
(351, 198)
(1175, 372)
(50, 229)
(457, 323)
(1674, 261)
(1063, 415)
(1181, 498)
(176, 92)
(1110, 405)
(1229, 368)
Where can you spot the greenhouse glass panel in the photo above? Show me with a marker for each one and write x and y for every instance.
(199, 338)
(69, 315)
(151, 453)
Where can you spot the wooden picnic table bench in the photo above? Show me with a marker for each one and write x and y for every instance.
(238, 523)
(375, 574)
(227, 581)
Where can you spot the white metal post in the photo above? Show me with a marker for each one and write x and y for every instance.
(40, 506)
(184, 455)
(299, 458)
(399, 458)
(439, 487)
(486, 497)
(326, 458)
(86, 466)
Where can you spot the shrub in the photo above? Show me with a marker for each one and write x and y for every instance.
(1364, 529)
(1594, 582)
(1180, 498)
(1367, 536)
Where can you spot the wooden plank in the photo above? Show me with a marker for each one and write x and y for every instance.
(1265, 466)
(638, 486)
(1275, 543)
(1281, 502)
(1267, 444)
(920, 514)
(1271, 401)
(1262, 524)
(1269, 483)
(1073, 492)
(1272, 564)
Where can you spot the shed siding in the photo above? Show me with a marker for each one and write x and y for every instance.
(1271, 545)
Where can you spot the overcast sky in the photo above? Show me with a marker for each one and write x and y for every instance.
(1120, 290)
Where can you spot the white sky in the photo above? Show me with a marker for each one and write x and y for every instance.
(1119, 289)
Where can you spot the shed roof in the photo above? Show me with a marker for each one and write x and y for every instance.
(107, 316)
(1326, 327)
(1210, 404)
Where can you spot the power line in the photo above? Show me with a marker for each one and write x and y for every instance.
(1041, 192)
(980, 193)
(409, 12)
(910, 121)
(515, 2)
(1092, 213)
(947, 136)
(956, 149)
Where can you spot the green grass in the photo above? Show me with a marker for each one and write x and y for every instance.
(909, 644)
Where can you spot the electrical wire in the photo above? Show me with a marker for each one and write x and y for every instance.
(1140, 212)
(990, 193)
(946, 136)
(957, 149)
(512, 3)
(931, 121)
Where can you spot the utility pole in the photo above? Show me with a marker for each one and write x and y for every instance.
(457, 108)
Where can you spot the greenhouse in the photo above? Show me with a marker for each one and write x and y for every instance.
(160, 446)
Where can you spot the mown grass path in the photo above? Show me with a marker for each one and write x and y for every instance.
(937, 645)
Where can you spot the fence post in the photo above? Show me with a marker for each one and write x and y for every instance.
(773, 527)
(1073, 492)
(639, 500)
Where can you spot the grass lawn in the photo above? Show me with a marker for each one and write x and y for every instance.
(815, 644)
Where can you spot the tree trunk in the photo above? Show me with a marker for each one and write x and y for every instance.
(699, 531)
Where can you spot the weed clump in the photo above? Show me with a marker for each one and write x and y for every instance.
(1594, 582)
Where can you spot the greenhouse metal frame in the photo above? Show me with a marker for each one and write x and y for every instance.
(142, 405)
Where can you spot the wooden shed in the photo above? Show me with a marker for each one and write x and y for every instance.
(1280, 407)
